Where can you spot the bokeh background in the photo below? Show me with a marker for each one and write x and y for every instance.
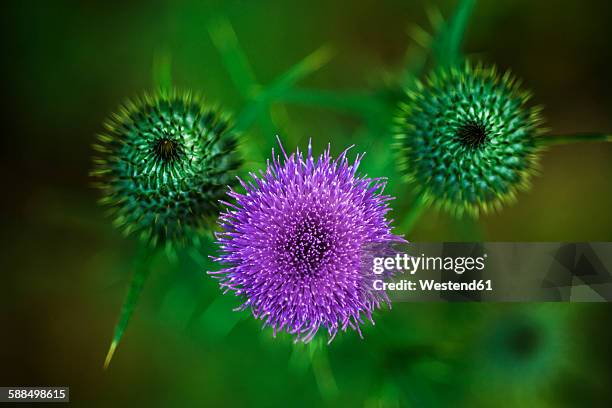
(65, 270)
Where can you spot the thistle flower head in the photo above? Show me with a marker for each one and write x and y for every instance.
(291, 243)
(467, 139)
(164, 162)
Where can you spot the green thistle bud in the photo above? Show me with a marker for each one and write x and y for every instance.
(164, 163)
(467, 139)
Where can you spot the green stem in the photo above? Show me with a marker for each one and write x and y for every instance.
(217, 320)
(143, 263)
(162, 70)
(447, 44)
(281, 85)
(414, 212)
(212, 320)
(323, 373)
(225, 40)
(552, 140)
(360, 104)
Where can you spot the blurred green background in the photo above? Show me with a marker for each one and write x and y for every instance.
(66, 270)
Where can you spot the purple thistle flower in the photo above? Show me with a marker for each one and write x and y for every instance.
(291, 245)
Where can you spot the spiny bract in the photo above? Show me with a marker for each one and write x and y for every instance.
(291, 244)
(163, 164)
(467, 139)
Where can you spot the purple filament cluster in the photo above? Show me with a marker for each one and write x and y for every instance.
(291, 243)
